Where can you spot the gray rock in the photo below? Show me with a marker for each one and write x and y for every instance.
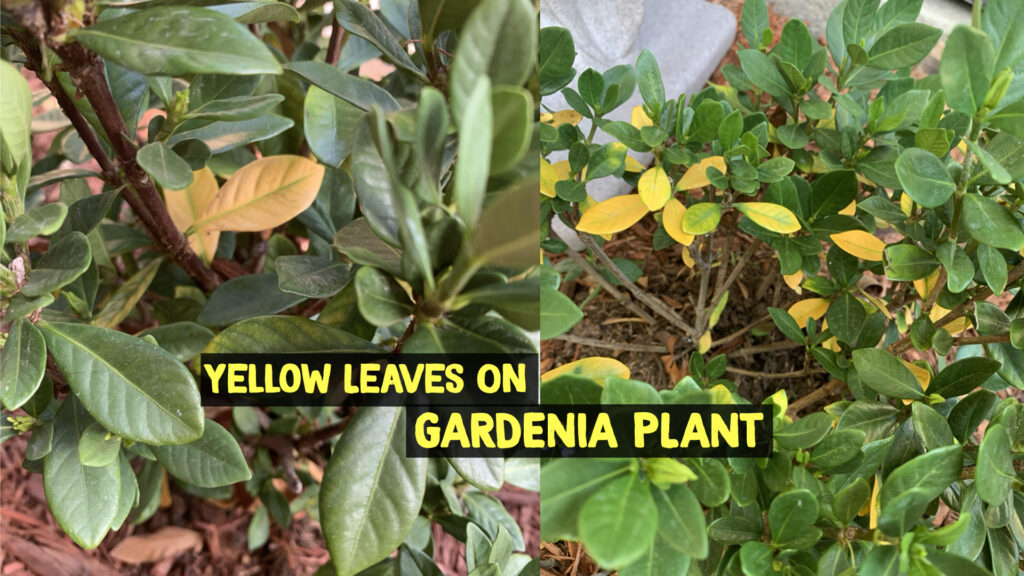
(688, 37)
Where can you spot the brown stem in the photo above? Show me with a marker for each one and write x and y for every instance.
(336, 43)
(86, 71)
(832, 387)
(607, 345)
(741, 331)
(774, 375)
(990, 339)
(968, 471)
(321, 434)
(608, 286)
(751, 350)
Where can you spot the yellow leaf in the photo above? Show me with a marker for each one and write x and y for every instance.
(872, 506)
(850, 209)
(633, 165)
(672, 220)
(638, 118)
(687, 259)
(770, 216)
(613, 215)
(655, 188)
(818, 166)
(956, 326)
(548, 177)
(597, 369)
(923, 375)
(793, 281)
(906, 204)
(863, 180)
(263, 194)
(859, 243)
(186, 205)
(719, 393)
(924, 285)
(705, 342)
(556, 119)
(587, 204)
(696, 175)
(808, 308)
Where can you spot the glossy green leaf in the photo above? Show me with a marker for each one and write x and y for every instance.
(831, 192)
(513, 127)
(133, 388)
(886, 374)
(381, 300)
(371, 493)
(994, 473)
(558, 313)
(557, 53)
(930, 473)
(15, 112)
(357, 91)
(330, 125)
(930, 427)
(310, 276)
(184, 340)
(97, 447)
(962, 376)
(846, 317)
(178, 41)
(41, 221)
(805, 432)
(123, 300)
(508, 229)
(22, 363)
(225, 136)
(908, 262)
(246, 297)
(475, 138)
(83, 499)
(65, 260)
(791, 517)
(903, 46)
(989, 223)
(966, 68)
(681, 523)
(484, 473)
(285, 334)
(212, 460)
(615, 523)
(838, 448)
(362, 22)
(924, 177)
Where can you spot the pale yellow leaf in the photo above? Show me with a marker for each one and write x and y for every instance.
(655, 188)
(613, 215)
(696, 175)
(808, 308)
(859, 243)
(719, 393)
(597, 369)
(167, 542)
(548, 178)
(704, 344)
(587, 204)
(688, 259)
(923, 375)
(850, 209)
(956, 326)
(924, 285)
(793, 281)
(672, 220)
(263, 194)
(638, 118)
(906, 204)
(633, 165)
(770, 216)
(187, 205)
(556, 119)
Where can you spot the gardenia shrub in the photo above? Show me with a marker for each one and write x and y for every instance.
(228, 184)
(813, 150)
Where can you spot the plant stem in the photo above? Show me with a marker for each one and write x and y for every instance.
(609, 287)
(832, 387)
(336, 44)
(774, 375)
(605, 344)
(659, 307)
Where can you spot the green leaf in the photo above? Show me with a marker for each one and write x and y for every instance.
(512, 109)
(791, 516)
(850, 499)
(681, 523)
(764, 74)
(356, 91)
(133, 388)
(371, 493)
(15, 112)
(310, 276)
(754, 20)
(931, 427)
(178, 41)
(224, 136)
(210, 461)
(182, 339)
(994, 474)
(832, 192)
(846, 317)
(508, 229)
(381, 300)
(993, 268)
(362, 22)
(476, 127)
(66, 259)
(989, 319)
(621, 391)
(1009, 119)
(373, 187)
(805, 432)
(22, 363)
(566, 485)
(245, 297)
(558, 313)
(903, 46)
(1003, 21)
(606, 160)
(557, 54)
(259, 529)
(330, 125)
(886, 374)
(989, 223)
(358, 242)
(969, 413)
(787, 324)
(283, 334)
(734, 530)
(858, 20)
(838, 448)
(499, 41)
(484, 473)
(648, 78)
(959, 268)
(259, 11)
(962, 376)
(83, 499)
(95, 448)
(41, 221)
(908, 262)
(123, 300)
(436, 16)
(615, 523)
(966, 69)
(702, 218)
(924, 177)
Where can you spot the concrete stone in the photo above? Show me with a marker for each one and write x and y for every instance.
(688, 37)
(944, 14)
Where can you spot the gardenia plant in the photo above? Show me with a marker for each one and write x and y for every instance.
(818, 152)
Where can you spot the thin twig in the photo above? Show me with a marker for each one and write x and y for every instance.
(607, 345)
(774, 375)
(608, 286)
(990, 339)
(832, 387)
(773, 347)
(741, 331)
(735, 274)
(659, 307)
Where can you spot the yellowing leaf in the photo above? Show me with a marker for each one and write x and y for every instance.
(956, 326)
(924, 377)
(859, 243)
(906, 204)
(672, 220)
(924, 285)
(638, 118)
(872, 506)
(556, 119)
(702, 218)
(704, 344)
(166, 543)
(186, 205)
(850, 209)
(633, 165)
(808, 308)
(597, 369)
(696, 175)
(263, 194)
(719, 393)
(613, 215)
(793, 281)
(548, 177)
(655, 188)
(770, 216)
(687, 259)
